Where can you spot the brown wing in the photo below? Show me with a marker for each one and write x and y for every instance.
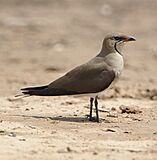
(85, 79)
(91, 77)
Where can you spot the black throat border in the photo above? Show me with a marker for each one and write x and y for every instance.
(115, 46)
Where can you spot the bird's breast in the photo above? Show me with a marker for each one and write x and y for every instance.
(115, 61)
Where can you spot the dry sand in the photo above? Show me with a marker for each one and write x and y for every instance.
(40, 40)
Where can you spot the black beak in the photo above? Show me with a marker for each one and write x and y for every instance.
(131, 39)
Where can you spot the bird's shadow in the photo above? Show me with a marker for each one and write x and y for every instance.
(57, 118)
(84, 119)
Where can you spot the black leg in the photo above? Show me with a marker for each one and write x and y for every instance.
(94, 119)
(91, 108)
(96, 108)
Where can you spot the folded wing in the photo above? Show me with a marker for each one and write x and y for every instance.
(87, 78)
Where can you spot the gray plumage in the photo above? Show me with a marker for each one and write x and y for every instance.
(87, 78)
(91, 77)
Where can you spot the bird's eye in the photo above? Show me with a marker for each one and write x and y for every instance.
(117, 38)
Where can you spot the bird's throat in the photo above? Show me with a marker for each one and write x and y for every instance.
(115, 46)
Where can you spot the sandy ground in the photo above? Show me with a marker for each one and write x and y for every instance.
(40, 40)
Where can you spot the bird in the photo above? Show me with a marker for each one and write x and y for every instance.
(91, 78)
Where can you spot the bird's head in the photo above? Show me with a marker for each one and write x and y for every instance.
(115, 42)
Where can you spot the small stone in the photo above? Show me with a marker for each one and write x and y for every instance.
(129, 109)
(68, 149)
(22, 139)
(27, 109)
(135, 119)
(2, 132)
(110, 130)
(127, 132)
(95, 153)
(113, 109)
(11, 134)
(53, 132)
(33, 127)
(33, 152)
(112, 115)
(52, 69)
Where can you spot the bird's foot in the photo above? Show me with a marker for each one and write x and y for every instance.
(92, 119)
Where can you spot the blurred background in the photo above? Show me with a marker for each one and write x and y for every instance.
(40, 40)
